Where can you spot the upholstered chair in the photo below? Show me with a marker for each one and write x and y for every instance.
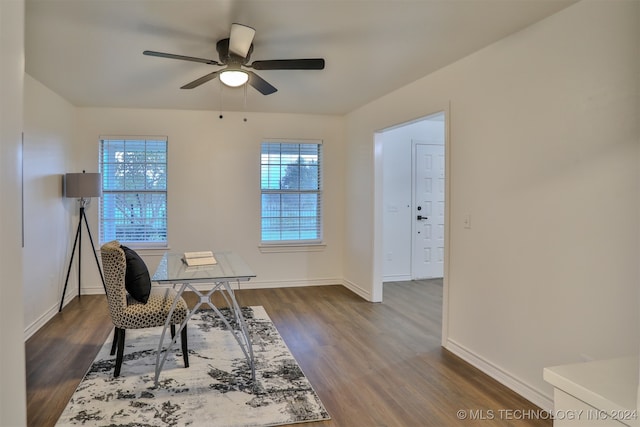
(129, 313)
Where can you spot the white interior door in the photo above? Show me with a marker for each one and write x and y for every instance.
(427, 255)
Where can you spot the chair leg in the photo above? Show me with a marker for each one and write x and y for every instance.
(173, 331)
(185, 349)
(121, 332)
(115, 341)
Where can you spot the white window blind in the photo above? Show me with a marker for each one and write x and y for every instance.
(291, 190)
(133, 207)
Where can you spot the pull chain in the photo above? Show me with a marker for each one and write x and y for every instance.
(220, 86)
(245, 101)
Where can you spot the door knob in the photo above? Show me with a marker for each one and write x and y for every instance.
(421, 217)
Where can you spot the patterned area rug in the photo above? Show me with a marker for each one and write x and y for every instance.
(216, 390)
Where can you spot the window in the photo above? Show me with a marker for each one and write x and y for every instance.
(133, 207)
(291, 187)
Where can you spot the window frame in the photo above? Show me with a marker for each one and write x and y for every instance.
(294, 244)
(146, 244)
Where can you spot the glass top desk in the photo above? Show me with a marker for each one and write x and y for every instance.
(172, 270)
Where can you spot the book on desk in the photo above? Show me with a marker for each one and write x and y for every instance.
(201, 258)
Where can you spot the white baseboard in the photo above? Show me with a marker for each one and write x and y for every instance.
(48, 315)
(97, 289)
(272, 284)
(514, 383)
(251, 284)
(396, 278)
(269, 284)
(357, 290)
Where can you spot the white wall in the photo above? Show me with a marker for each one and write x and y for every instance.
(50, 220)
(544, 150)
(13, 410)
(214, 185)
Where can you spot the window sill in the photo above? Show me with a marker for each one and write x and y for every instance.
(292, 247)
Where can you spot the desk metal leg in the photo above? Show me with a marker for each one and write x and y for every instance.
(247, 346)
(242, 336)
(167, 324)
(190, 313)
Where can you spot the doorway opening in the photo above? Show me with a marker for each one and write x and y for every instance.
(413, 195)
(412, 207)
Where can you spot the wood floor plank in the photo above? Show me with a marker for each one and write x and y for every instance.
(373, 365)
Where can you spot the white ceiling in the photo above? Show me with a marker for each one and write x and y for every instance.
(90, 51)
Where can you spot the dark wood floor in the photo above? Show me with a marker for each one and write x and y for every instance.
(373, 365)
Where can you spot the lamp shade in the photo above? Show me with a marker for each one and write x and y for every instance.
(80, 185)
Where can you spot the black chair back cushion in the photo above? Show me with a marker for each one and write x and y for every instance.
(136, 280)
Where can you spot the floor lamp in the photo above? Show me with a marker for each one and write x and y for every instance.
(82, 186)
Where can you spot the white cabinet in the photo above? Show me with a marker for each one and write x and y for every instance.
(595, 394)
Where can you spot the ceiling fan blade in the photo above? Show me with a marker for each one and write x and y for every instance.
(240, 39)
(181, 57)
(260, 84)
(289, 64)
(201, 80)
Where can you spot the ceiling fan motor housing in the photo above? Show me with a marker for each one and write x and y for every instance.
(229, 58)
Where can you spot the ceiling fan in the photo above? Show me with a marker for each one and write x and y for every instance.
(234, 53)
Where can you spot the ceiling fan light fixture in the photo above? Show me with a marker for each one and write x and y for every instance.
(234, 78)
